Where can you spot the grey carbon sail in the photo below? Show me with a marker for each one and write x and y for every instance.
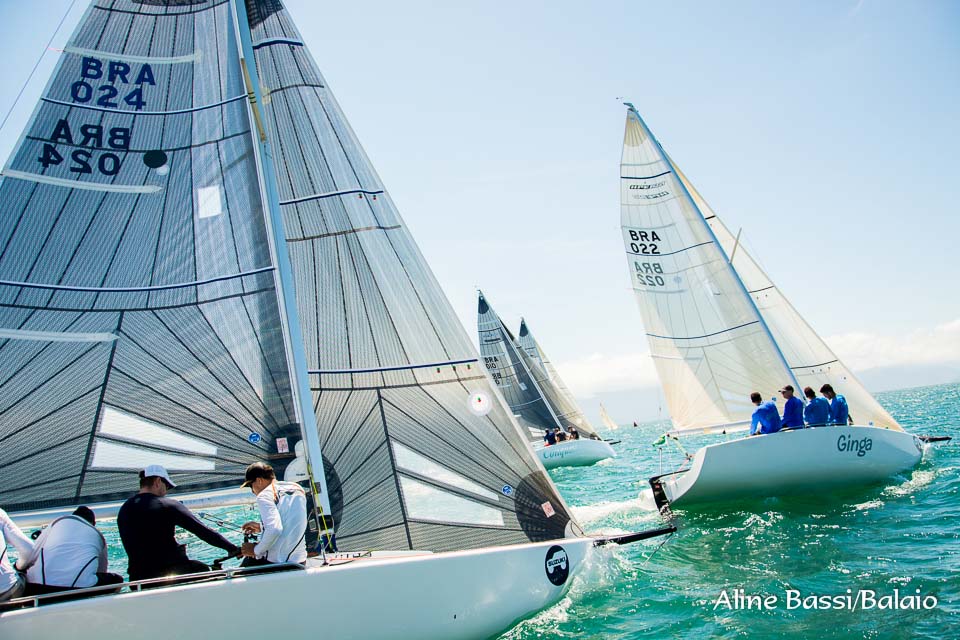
(140, 316)
(552, 386)
(419, 450)
(504, 363)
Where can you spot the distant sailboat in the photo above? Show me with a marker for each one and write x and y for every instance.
(607, 420)
(542, 402)
(719, 329)
(200, 268)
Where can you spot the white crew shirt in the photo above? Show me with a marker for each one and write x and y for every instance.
(68, 553)
(283, 516)
(11, 534)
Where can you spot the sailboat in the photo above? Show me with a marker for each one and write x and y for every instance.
(607, 420)
(540, 401)
(719, 329)
(200, 268)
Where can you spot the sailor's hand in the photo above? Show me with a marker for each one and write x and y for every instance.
(251, 527)
(246, 550)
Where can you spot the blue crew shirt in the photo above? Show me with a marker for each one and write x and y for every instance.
(817, 411)
(793, 413)
(767, 417)
(839, 412)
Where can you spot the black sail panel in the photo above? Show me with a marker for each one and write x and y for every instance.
(139, 315)
(417, 444)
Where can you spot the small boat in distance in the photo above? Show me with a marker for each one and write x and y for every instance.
(719, 329)
(607, 420)
(541, 400)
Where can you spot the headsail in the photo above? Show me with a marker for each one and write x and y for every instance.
(607, 421)
(812, 361)
(503, 360)
(710, 345)
(411, 462)
(140, 316)
(552, 385)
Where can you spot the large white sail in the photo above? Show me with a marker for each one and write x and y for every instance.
(409, 461)
(709, 343)
(141, 319)
(812, 361)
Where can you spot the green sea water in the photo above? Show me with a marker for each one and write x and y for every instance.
(903, 534)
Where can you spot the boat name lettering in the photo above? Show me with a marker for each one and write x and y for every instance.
(649, 274)
(849, 443)
(107, 95)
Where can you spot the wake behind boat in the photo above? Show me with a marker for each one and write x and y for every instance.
(719, 329)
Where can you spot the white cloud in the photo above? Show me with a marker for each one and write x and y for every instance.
(601, 373)
(862, 350)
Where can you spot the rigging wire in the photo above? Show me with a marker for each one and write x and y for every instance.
(43, 53)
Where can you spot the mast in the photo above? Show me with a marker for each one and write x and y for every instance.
(278, 248)
(713, 237)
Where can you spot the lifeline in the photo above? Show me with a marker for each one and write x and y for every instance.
(860, 600)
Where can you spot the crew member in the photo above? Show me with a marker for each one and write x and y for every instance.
(839, 412)
(11, 582)
(69, 554)
(283, 519)
(146, 523)
(549, 437)
(574, 434)
(792, 409)
(765, 416)
(817, 411)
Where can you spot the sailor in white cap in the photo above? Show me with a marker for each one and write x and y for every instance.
(146, 523)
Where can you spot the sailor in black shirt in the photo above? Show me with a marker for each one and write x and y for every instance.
(146, 523)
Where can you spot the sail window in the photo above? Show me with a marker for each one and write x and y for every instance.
(408, 460)
(209, 202)
(110, 455)
(124, 425)
(425, 502)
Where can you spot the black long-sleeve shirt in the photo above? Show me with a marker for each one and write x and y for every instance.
(146, 523)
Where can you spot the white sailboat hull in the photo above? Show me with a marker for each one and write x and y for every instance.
(466, 594)
(791, 462)
(575, 453)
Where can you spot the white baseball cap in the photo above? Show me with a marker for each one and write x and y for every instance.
(159, 471)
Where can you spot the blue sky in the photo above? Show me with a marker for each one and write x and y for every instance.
(827, 130)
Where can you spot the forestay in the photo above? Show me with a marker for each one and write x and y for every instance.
(813, 363)
(140, 317)
(501, 356)
(552, 385)
(420, 451)
(709, 343)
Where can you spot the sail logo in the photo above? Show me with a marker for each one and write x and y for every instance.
(849, 443)
(557, 565)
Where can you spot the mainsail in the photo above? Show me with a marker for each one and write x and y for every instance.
(141, 319)
(552, 385)
(504, 362)
(410, 461)
(718, 329)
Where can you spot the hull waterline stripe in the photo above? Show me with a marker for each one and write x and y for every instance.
(55, 336)
(80, 51)
(145, 113)
(739, 326)
(330, 194)
(158, 287)
(88, 186)
(399, 368)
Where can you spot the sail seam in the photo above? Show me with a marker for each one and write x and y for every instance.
(672, 253)
(645, 177)
(55, 336)
(80, 51)
(707, 335)
(320, 236)
(396, 368)
(173, 112)
(810, 366)
(159, 287)
(330, 194)
(272, 41)
(167, 14)
(76, 184)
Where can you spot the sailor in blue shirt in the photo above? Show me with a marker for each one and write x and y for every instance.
(792, 410)
(765, 416)
(839, 412)
(817, 411)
